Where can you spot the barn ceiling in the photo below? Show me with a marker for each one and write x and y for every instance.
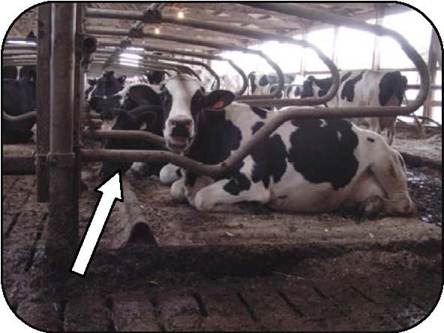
(230, 14)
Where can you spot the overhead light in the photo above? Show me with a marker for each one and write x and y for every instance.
(130, 56)
(180, 14)
(20, 42)
(157, 31)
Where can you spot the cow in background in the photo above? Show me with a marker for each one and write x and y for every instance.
(18, 98)
(363, 88)
(139, 110)
(102, 94)
(9, 72)
(263, 84)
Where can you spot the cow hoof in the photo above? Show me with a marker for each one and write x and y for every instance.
(139, 170)
(177, 191)
(169, 174)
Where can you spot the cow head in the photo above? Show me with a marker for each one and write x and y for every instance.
(103, 96)
(182, 100)
(155, 77)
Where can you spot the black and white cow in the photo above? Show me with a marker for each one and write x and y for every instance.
(305, 166)
(263, 84)
(18, 98)
(139, 109)
(364, 88)
(102, 94)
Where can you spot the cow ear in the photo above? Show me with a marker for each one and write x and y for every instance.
(92, 82)
(122, 78)
(218, 99)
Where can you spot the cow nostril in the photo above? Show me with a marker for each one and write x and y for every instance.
(187, 123)
(180, 123)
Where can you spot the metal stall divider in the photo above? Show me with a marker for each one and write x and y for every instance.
(118, 14)
(192, 54)
(204, 43)
(278, 118)
(43, 97)
(62, 231)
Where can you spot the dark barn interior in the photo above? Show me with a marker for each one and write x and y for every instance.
(163, 265)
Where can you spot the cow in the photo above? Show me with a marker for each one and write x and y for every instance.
(263, 84)
(363, 88)
(102, 95)
(156, 77)
(18, 98)
(9, 72)
(139, 109)
(314, 165)
(28, 72)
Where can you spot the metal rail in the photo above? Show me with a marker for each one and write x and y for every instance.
(204, 43)
(156, 65)
(256, 34)
(191, 54)
(319, 15)
(25, 116)
(276, 119)
(126, 135)
(172, 59)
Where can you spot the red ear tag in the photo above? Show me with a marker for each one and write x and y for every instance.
(219, 104)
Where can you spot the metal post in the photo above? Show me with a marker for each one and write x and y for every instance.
(432, 62)
(43, 96)
(81, 61)
(62, 235)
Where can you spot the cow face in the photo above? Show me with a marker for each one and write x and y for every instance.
(183, 99)
(307, 87)
(102, 98)
(155, 77)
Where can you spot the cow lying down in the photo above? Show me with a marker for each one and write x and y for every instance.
(305, 166)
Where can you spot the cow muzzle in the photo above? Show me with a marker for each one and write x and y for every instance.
(180, 134)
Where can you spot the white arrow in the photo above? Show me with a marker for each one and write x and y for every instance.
(112, 191)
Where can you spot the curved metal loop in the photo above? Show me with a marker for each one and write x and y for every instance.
(318, 15)
(204, 43)
(22, 117)
(202, 55)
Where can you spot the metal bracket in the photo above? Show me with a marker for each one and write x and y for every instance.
(40, 159)
(61, 160)
(152, 16)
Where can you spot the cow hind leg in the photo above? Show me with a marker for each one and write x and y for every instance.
(223, 194)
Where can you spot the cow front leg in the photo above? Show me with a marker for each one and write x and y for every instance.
(222, 194)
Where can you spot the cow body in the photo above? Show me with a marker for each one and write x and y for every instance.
(102, 94)
(305, 166)
(18, 98)
(264, 84)
(363, 88)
